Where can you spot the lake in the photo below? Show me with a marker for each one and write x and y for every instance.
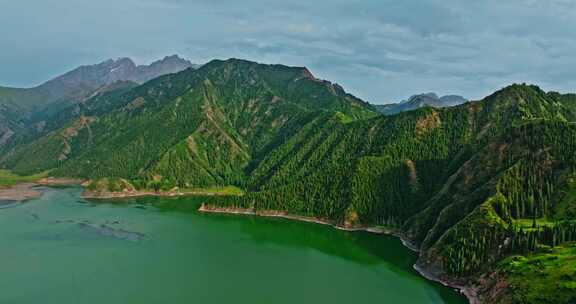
(62, 249)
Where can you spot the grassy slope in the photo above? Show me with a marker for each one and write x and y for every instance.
(473, 217)
(566, 207)
(542, 278)
(118, 185)
(7, 178)
(23, 99)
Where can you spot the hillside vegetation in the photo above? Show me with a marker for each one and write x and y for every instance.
(474, 185)
(7, 178)
(194, 128)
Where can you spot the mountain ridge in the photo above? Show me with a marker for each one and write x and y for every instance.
(242, 105)
(20, 107)
(90, 77)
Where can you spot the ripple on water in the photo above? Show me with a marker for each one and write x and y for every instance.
(107, 230)
(4, 204)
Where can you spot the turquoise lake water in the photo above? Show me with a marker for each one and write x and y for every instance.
(62, 249)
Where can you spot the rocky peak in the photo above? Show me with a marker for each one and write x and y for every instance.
(167, 65)
(90, 77)
(307, 74)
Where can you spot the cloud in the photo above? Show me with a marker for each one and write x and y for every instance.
(381, 50)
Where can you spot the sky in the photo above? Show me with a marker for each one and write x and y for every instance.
(380, 50)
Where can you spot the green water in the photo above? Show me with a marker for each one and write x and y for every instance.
(61, 249)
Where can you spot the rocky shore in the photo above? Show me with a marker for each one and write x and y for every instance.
(470, 292)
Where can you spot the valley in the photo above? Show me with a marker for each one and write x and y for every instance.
(483, 189)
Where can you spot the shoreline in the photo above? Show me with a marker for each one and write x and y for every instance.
(281, 214)
(23, 191)
(130, 194)
(467, 291)
(20, 192)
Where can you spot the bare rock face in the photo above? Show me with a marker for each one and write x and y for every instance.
(91, 77)
(84, 80)
(168, 65)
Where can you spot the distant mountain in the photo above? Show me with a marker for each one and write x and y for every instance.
(91, 77)
(419, 101)
(21, 107)
(82, 81)
(168, 65)
(78, 82)
(452, 100)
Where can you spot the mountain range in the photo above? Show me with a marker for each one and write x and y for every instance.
(419, 101)
(486, 189)
(82, 81)
(20, 107)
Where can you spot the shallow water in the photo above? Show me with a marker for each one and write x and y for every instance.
(61, 249)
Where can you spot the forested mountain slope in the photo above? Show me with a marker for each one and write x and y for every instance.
(471, 184)
(195, 128)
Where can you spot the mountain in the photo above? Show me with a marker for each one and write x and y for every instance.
(485, 189)
(419, 101)
(168, 65)
(83, 80)
(31, 106)
(88, 78)
(479, 188)
(195, 128)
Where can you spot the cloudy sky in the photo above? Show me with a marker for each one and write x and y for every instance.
(380, 50)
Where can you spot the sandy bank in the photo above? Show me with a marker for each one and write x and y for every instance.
(25, 191)
(19, 192)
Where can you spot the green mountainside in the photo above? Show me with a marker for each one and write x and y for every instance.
(15, 105)
(486, 189)
(470, 185)
(195, 128)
